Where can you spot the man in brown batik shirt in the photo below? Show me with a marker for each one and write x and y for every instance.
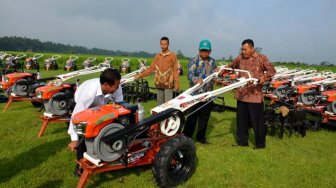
(165, 67)
(250, 106)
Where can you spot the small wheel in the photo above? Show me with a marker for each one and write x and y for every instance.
(171, 125)
(59, 104)
(332, 107)
(22, 89)
(175, 163)
(265, 87)
(281, 91)
(307, 98)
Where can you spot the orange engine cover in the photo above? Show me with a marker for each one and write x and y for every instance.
(302, 88)
(98, 117)
(277, 83)
(331, 95)
(49, 90)
(13, 77)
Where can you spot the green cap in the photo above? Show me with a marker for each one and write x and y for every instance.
(205, 45)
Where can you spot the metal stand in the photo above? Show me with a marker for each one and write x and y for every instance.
(12, 99)
(90, 168)
(46, 120)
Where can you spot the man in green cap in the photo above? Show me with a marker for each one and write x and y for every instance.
(200, 67)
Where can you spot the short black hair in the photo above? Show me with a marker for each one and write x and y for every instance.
(248, 41)
(165, 38)
(109, 76)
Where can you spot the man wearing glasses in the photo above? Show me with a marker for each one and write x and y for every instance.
(199, 68)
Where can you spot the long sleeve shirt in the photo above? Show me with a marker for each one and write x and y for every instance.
(88, 95)
(198, 68)
(260, 68)
(165, 67)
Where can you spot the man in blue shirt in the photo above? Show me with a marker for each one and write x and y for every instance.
(199, 68)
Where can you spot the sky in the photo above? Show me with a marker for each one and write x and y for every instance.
(286, 30)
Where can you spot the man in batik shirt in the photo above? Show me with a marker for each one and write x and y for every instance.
(250, 106)
(199, 68)
(166, 72)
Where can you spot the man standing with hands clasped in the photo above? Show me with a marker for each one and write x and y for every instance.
(165, 67)
(250, 106)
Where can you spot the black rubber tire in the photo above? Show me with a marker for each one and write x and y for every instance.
(180, 151)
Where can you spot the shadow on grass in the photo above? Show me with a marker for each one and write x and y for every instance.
(213, 121)
(51, 184)
(29, 159)
(117, 176)
(60, 128)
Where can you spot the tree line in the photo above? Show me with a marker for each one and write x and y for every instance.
(24, 44)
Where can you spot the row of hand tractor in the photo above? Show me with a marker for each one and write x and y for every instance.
(304, 98)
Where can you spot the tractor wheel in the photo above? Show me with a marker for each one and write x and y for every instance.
(281, 91)
(332, 107)
(107, 152)
(175, 162)
(307, 98)
(264, 88)
(22, 89)
(59, 104)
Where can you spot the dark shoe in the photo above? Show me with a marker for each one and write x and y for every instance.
(78, 171)
(203, 141)
(262, 147)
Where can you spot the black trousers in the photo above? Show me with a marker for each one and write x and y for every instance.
(251, 114)
(202, 116)
(81, 148)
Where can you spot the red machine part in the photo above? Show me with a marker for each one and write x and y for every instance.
(12, 78)
(278, 83)
(46, 92)
(331, 95)
(302, 88)
(98, 117)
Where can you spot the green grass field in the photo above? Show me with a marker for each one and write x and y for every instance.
(28, 161)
